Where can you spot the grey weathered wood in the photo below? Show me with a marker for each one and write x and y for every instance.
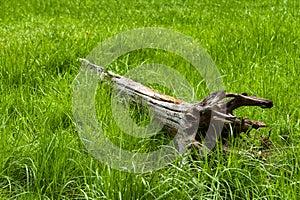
(187, 121)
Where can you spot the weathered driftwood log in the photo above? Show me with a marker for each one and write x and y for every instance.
(190, 122)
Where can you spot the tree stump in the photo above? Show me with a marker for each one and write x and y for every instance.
(189, 122)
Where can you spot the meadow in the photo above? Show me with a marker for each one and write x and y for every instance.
(255, 45)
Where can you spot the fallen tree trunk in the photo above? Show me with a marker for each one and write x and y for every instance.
(190, 122)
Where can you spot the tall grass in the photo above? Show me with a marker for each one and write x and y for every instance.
(255, 45)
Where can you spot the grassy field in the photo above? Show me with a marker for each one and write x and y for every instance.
(255, 44)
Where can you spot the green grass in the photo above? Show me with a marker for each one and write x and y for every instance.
(255, 45)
